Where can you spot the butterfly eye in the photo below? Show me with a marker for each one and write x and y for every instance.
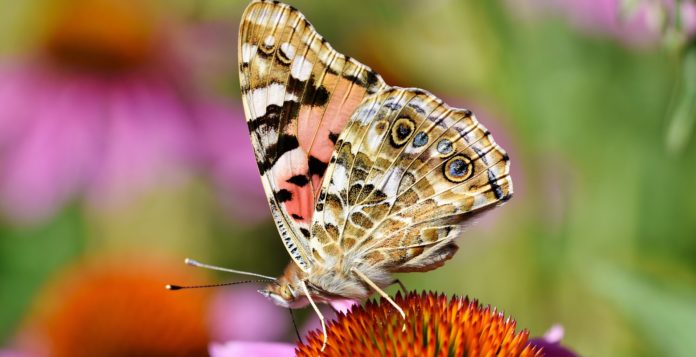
(286, 292)
(402, 131)
(458, 169)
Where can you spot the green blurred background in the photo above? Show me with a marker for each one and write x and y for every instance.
(600, 236)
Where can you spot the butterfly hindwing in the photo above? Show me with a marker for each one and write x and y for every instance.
(407, 173)
(298, 95)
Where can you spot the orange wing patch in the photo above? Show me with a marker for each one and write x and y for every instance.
(298, 94)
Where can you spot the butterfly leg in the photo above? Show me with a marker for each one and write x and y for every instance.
(316, 309)
(380, 292)
(401, 285)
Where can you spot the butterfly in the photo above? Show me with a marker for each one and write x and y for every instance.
(363, 179)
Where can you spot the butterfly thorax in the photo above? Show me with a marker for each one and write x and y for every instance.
(336, 284)
(323, 284)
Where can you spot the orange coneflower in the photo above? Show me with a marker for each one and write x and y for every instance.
(110, 309)
(435, 326)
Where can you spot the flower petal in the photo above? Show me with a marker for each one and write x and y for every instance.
(257, 349)
(551, 343)
(343, 305)
(554, 334)
(227, 151)
(239, 313)
(148, 137)
(552, 349)
(48, 159)
(11, 353)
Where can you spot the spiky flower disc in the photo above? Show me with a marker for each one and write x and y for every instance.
(434, 326)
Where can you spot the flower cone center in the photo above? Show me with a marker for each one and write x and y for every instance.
(103, 35)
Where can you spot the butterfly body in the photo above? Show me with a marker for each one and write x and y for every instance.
(324, 286)
(363, 179)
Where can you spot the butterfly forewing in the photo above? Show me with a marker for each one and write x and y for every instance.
(298, 95)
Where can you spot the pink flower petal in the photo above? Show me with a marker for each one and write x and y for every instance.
(50, 157)
(228, 153)
(15, 83)
(74, 134)
(256, 349)
(240, 313)
(689, 17)
(551, 343)
(640, 27)
(554, 334)
(147, 137)
(343, 305)
(10, 353)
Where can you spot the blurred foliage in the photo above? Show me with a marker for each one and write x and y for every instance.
(599, 238)
(681, 126)
(29, 255)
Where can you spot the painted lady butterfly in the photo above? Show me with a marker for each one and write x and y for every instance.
(363, 179)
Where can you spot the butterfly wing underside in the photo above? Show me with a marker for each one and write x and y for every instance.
(298, 94)
(407, 173)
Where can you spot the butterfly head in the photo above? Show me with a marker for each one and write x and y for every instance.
(284, 295)
(286, 291)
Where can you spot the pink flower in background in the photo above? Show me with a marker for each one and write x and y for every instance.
(240, 313)
(640, 25)
(251, 328)
(243, 322)
(257, 349)
(551, 343)
(230, 160)
(107, 109)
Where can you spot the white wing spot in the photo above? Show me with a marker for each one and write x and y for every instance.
(340, 177)
(480, 200)
(248, 50)
(365, 114)
(301, 68)
(262, 17)
(288, 50)
(392, 182)
(294, 161)
(269, 41)
(262, 97)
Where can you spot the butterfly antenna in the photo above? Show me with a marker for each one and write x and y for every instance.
(179, 287)
(294, 324)
(198, 264)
